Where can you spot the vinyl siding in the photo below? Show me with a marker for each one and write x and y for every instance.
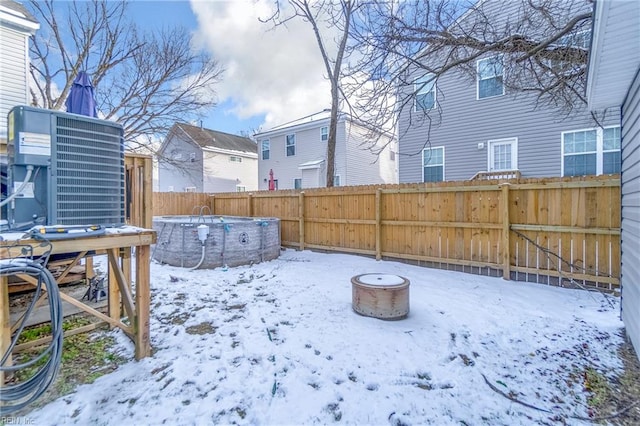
(223, 175)
(354, 165)
(363, 166)
(630, 245)
(309, 147)
(465, 122)
(189, 175)
(13, 73)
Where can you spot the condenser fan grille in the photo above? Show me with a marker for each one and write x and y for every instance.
(88, 171)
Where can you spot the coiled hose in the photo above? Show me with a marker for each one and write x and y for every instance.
(15, 396)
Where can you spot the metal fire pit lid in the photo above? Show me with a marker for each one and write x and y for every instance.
(381, 280)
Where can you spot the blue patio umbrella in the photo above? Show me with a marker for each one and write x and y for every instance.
(81, 98)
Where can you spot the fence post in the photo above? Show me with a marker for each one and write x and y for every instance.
(506, 228)
(250, 200)
(301, 218)
(378, 229)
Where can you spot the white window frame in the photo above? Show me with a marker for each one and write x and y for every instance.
(338, 179)
(190, 189)
(494, 76)
(567, 40)
(294, 183)
(235, 159)
(514, 153)
(443, 161)
(600, 151)
(422, 86)
(287, 145)
(262, 150)
(324, 133)
(192, 157)
(241, 188)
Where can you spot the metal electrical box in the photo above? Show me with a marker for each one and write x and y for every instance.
(74, 165)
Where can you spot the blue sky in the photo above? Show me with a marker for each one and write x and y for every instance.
(159, 13)
(271, 76)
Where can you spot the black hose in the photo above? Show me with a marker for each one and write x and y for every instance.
(15, 396)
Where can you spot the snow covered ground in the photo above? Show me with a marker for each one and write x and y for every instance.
(278, 344)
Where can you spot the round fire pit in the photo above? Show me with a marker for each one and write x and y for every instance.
(382, 296)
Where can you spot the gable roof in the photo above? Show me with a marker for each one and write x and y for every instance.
(15, 13)
(212, 138)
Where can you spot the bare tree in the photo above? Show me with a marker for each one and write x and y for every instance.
(146, 82)
(542, 47)
(325, 14)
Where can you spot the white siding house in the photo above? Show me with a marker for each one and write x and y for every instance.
(614, 81)
(196, 159)
(296, 153)
(16, 25)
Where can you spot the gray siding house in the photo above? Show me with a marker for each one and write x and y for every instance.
(296, 152)
(16, 25)
(474, 126)
(614, 81)
(196, 159)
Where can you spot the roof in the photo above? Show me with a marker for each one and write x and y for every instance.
(16, 14)
(211, 138)
(615, 53)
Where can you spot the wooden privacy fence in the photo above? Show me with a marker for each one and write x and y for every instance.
(559, 231)
(139, 189)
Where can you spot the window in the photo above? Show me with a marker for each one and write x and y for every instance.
(192, 157)
(591, 152)
(490, 77)
(425, 92)
(235, 159)
(189, 189)
(266, 149)
(503, 154)
(324, 134)
(297, 183)
(433, 164)
(241, 188)
(291, 145)
(336, 180)
(177, 156)
(580, 39)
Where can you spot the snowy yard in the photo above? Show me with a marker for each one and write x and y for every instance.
(278, 343)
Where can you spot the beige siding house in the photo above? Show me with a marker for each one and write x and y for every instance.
(197, 159)
(296, 152)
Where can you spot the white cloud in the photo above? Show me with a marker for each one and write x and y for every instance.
(273, 71)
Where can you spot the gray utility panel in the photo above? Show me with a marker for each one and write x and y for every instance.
(74, 165)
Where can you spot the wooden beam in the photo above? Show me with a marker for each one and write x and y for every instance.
(143, 300)
(75, 245)
(5, 325)
(506, 231)
(77, 303)
(123, 286)
(566, 229)
(442, 260)
(378, 224)
(301, 218)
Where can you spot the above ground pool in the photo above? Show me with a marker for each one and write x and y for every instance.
(211, 241)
